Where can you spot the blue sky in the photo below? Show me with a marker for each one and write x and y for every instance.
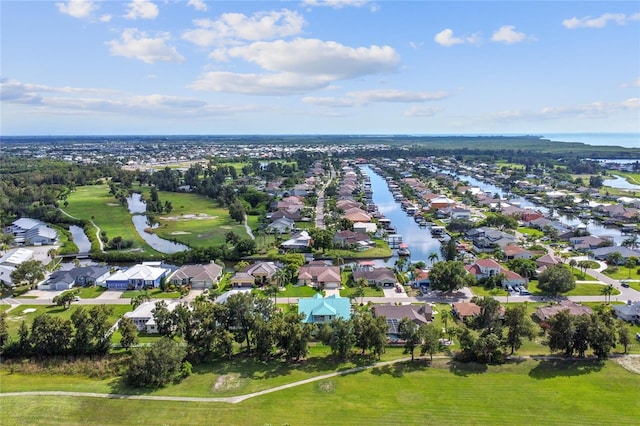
(319, 67)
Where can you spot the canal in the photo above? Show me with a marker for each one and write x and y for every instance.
(420, 242)
(136, 205)
(594, 227)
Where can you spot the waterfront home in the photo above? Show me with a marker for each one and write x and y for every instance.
(320, 310)
(377, 277)
(283, 225)
(365, 227)
(76, 277)
(587, 242)
(486, 268)
(348, 238)
(197, 276)
(486, 240)
(136, 277)
(300, 241)
(320, 275)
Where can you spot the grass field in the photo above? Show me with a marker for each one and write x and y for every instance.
(548, 392)
(582, 289)
(87, 202)
(623, 273)
(194, 220)
(156, 293)
(90, 292)
(17, 315)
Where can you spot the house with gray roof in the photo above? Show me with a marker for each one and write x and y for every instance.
(197, 276)
(629, 312)
(77, 277)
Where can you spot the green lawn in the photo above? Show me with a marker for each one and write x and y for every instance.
(549, 392)
(581, 289)
(156, 293)
(195, 220)
(17, 315)
(90, 292)
(293, 291)
(479, 290)
(368, 291)
(623, 273)
(534, 233)
(94, 201)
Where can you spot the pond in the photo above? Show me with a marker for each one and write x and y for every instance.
(80, 239)
(620, 182)
(141, 222)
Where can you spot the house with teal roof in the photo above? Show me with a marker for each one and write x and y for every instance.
(320, 310)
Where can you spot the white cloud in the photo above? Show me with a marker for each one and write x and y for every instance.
(77, 8)
(366, 97)
(601, 21)
(337, 4)
(198, 5)
(230, 27)
(14, 91)
(318, 58)
(297, 66)
(143, 9)
(105, 18)
(447, 39)
(258, 84)
(136, 44)
(422, 111)
(508, 34)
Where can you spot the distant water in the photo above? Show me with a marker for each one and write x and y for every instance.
(627, 140)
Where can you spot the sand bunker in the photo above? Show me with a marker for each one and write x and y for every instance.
(630, 363)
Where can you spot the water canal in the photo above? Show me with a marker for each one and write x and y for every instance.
(420, 242)
(80, 239)
(594, 227)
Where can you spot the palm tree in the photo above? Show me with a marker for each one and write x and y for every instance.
(282, 275)
(607, 290)
(631, 263)
(573, 264)
(433, 257)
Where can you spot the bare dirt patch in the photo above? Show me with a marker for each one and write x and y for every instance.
(326, 386)
(227, 382)
(630, 363)
(197, 216)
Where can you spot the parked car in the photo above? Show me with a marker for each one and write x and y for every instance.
(624, 284)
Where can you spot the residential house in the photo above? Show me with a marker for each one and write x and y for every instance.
(348, 238)
(513, 251)
(546, 261)
(629, 312)
(284, 225)
(242, 280)
(486, 240)
(587, 242)
(464, 310)
(300, 241)
(365, 227)
(320, 310)
(543, 313)
(460, 213)
(77, 277)
(137, 277)
(319, 274)
(142, 316)
(378, 277)
(197, 276)
(486, 268)
(603, 252)
(393, 314)
(16, 257)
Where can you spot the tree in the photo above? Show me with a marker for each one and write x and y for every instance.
(433, 257)
(624, 335)
(556, 279)
(602, 334)
(342, 338)
(430, 337)
(632, 262)
(155, 366)
(449, 276)
(129, 333)
(141, 298)
(607, 291)
(292, 335)
(519, 325)
(163, 319)
(64, 299)
(370, 332)
(50, 335)
(561, 332)
(523, 267)
(408, 331)
(614, 258)
(4, 332)
(584, 265)
(29, 273)
(488, 320)
(449, 251)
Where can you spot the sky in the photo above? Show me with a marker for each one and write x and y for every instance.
(318, 67)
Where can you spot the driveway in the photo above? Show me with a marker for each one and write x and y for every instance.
(393, 293)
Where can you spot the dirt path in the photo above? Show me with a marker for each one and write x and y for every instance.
(246, 226)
